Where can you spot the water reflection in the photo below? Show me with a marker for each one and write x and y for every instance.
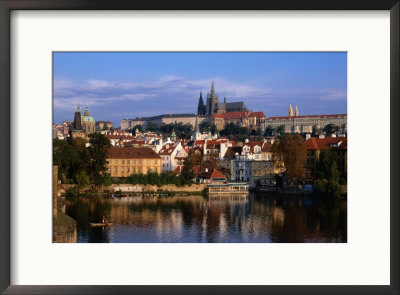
(195, 219)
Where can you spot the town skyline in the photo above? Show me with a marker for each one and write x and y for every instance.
(118, 86)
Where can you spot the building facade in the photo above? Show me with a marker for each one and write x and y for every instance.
(124, 161)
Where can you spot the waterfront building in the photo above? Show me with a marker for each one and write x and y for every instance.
(211, 176)
(262, 173)
(124, 161)
(294, 123)
(315, 145)
(241, 168)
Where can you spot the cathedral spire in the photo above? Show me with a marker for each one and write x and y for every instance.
(290, 111)
(201, 109)
(296, 111)
(212, 89)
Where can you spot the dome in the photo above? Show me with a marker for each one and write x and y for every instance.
(88, 119)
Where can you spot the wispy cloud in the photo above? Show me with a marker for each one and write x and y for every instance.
(171, 88)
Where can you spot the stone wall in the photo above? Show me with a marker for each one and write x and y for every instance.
(149, 188)
(64, 229)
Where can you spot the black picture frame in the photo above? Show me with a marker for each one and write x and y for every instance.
(6, 6)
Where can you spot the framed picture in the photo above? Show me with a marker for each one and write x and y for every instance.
(200, 147)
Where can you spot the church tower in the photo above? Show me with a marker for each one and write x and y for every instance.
(78, 122)
(290, 111)
(212, 101)
(296, 111)
(196, 134)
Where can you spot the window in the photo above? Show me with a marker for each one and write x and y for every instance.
(138, 170)
(155, 162)
(133, 161)
(109, 169)
(148, 162)
(133, 170)
(127, 169)
(139, 162)
(128, 162)
(122, 162)
(116, 162)
(115, 169)
(122, 169)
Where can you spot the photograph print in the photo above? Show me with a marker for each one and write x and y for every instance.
(199, 147)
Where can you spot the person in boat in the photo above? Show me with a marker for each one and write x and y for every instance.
(104, 220)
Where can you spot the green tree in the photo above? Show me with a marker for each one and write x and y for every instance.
(280, 130)
(205, 126)
(269, 131)
(66, 158)
(187, 171)
(137, 127)
(82, 179)
(291, 150)
(330, 129)
(99, 144)
(79, 144)
(236, 132)
(326, 160)
(151, 127)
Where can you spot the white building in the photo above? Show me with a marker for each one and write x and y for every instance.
(168, 153)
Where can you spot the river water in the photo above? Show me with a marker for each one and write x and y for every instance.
(197, 219)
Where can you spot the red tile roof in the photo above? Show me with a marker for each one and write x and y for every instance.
(168, 148)
(266, 147)
(231, 151)
(132, 153)
(239, 115)
(211, 174)
(315, 143)
(308, 116)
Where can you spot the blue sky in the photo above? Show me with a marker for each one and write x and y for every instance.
(137, 84)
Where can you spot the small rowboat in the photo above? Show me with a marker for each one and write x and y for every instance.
(100, 224)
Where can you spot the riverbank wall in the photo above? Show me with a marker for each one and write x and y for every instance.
(64, 229)
(138, 188)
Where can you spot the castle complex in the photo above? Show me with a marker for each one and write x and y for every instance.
(213, 106)
(222, 113)
(205, 112)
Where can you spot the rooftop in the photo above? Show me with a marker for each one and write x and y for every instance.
(132, 153)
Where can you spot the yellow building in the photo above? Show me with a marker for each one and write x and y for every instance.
(124, 161)
(263, 172)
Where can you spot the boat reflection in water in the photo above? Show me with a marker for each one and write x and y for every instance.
(216, 219)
